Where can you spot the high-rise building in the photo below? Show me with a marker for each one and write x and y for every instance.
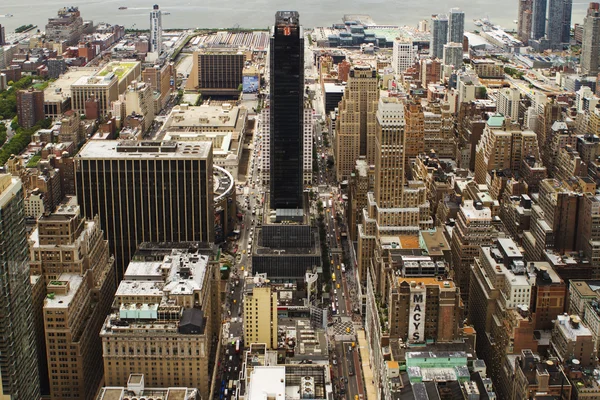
(456, 26)
(590, 47)
(538, 26)
(355, 124)
(508, 103)
(165, 317)
(155, 30)
(558, 29)
(18, 359)
(453, 54)
(67, 26)
(403, 55)
(30, 107)
(260, 312)
(287, 111)
(71, 257)
(439, 35)
(217, 71)
(2, 36)
(473, 229)
(161, 79)
(147, 191)
(414, 131)
(524, 23)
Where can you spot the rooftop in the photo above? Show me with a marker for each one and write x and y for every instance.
(120, 69)
(114, 149)
(206, 116)
(62, 300)
(61, 88)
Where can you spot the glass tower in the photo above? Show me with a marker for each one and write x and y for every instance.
(287, 109)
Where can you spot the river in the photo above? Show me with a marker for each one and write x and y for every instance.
(260, 13)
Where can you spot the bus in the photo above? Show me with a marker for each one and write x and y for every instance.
(237, 346)
(230, 384)
(333, 277)
(330, 203)
(333, 308)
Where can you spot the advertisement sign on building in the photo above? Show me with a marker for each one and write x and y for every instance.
(416, 317)
(250, 84)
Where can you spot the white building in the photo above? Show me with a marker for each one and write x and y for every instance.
(403, 55)
(508, 103)
(155, 30)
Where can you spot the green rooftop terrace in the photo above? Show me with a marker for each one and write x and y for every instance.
(120, 69)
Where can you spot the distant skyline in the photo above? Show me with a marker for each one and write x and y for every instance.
(259, 13)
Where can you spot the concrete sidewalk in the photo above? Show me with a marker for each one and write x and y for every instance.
(370, 392)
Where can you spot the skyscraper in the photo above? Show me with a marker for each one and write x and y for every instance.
(287, 111)
(525, 20)
(453, 54)
(558, 30)
(155, 30)
(590, 49)
(2, 36)
(147, 191)
(439, 35)
(403, 55)
(18, 360)
(456, 26)
(355, 124)
(538, 28)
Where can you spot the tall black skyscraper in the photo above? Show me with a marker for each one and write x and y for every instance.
(538, 24)
(287, 110)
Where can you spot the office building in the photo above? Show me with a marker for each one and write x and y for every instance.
(67, 26)
(403, 55)
(147, 191)
(30, 107)
(538, 26)
(473, 229)
(590, 46)
(156, 30)
(500, 150)
(355, 123)
(289, 381)
(260, 312)
(525, 20)
(172, 291)
(360, 183)
(217, 72)
(559, 23)
(287, 111)
(307, 144)
(104, 86)
(508, 103)
(456, 26)
(71, 257)
(18, 358)
(2, 35)
(453, 54)
(439, 35)
(571, 338)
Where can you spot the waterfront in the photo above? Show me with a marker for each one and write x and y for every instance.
(259, 13)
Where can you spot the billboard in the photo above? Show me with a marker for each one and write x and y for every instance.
(416, 318)
(250, 84)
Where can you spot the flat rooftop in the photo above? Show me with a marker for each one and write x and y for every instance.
(112, 149)
(206, 116)
(60, 89)
(266, 383)
(56, 300)
(120, 69)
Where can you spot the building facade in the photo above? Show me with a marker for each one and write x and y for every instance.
(439, 35)
(456, 26)
(287, 111)
(30, 107)
(590, 46)
(156, 30)
(147, 191)
(218, 71)
(18, 359)
(260, 313)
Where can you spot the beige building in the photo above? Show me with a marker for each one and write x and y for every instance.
(355, 124)
(140, 100)
(260, 312)
(503, 149)
(136, 389)
(71, 257)
(397, 206)
(106, 85)
(166, 312)
(438, 133)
